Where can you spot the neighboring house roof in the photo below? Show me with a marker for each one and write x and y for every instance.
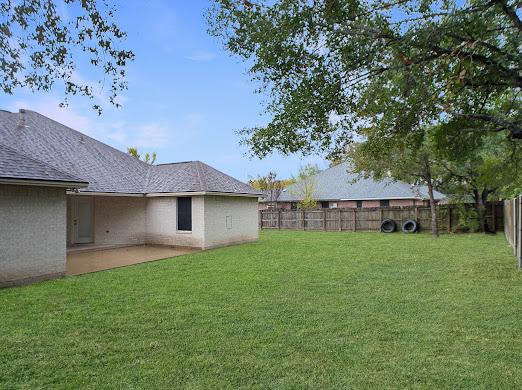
(340, 183)
(107, 169)
(15, 166)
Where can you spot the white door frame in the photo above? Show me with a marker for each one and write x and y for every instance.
(75, 221)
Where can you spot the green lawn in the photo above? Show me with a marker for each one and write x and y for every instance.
(294, 310)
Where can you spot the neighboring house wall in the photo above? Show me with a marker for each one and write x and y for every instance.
(262, 206)
(347, 204)
(277, 205)
(371, 203)
(408, 202)
(162, 220)
(230, 219)
(350, 204)
(33, 233)
(402, 202)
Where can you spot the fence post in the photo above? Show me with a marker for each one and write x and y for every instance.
(417, 214)
(493, 216)
(303, 218)
(354, 220)
(324, 219)
(340, 221)
(279, 219)
(449, 218)
(519, 243)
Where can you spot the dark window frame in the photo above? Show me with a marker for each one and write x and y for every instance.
(184, 214)
(359, 204)
(323, 203)
(384, 203)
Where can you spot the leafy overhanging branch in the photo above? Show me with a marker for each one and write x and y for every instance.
(41, 44)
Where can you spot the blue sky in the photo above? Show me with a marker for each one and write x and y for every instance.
(187, 97)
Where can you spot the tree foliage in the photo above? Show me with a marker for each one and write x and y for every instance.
(335, 67)
(46, 41)
(482, 167)
(270, 184)
(305, 187)
(149, 158)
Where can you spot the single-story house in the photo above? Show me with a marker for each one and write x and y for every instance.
(340, 187)
(60, 189)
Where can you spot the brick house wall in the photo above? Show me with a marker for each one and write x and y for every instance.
(230, 220)
(32, 232)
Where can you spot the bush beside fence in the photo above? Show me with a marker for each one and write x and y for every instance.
(513, 226)
(370, 219)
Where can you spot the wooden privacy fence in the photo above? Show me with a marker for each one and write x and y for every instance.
(513, 226)
(369, 219)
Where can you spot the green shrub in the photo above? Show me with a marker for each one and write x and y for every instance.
(467, 219)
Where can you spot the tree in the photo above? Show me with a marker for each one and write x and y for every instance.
(305, 186)
(149, 158)
(483, 167)
(270, 184)
(324, 63)
(45, 41)
(411, 159)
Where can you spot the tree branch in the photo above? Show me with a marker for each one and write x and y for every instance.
(514, 128)
(510, 13)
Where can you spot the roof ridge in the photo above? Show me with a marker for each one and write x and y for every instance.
(177, 162)
(147, 178)
(198, 170)
(43, 163)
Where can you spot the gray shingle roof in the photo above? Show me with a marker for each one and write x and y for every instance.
(339, 182)
(107, 169)
(16, 166)
(193, 176)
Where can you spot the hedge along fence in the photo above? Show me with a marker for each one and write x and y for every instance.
(513, 226)
(370, 219)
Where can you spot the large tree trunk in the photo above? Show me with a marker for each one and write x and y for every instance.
(480, 206)
(433, 208)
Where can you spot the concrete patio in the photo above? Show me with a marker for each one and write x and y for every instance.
(87, 259)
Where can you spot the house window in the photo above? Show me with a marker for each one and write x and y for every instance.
(333, 205)
(293, 206)
(359, 204)
(384, 203)
(185, 213)
(325, 205)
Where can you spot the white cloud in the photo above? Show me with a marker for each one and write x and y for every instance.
(50, 107)
(201, 56)
(148, 135)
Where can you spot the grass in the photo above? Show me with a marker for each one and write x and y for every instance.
(294, 310)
